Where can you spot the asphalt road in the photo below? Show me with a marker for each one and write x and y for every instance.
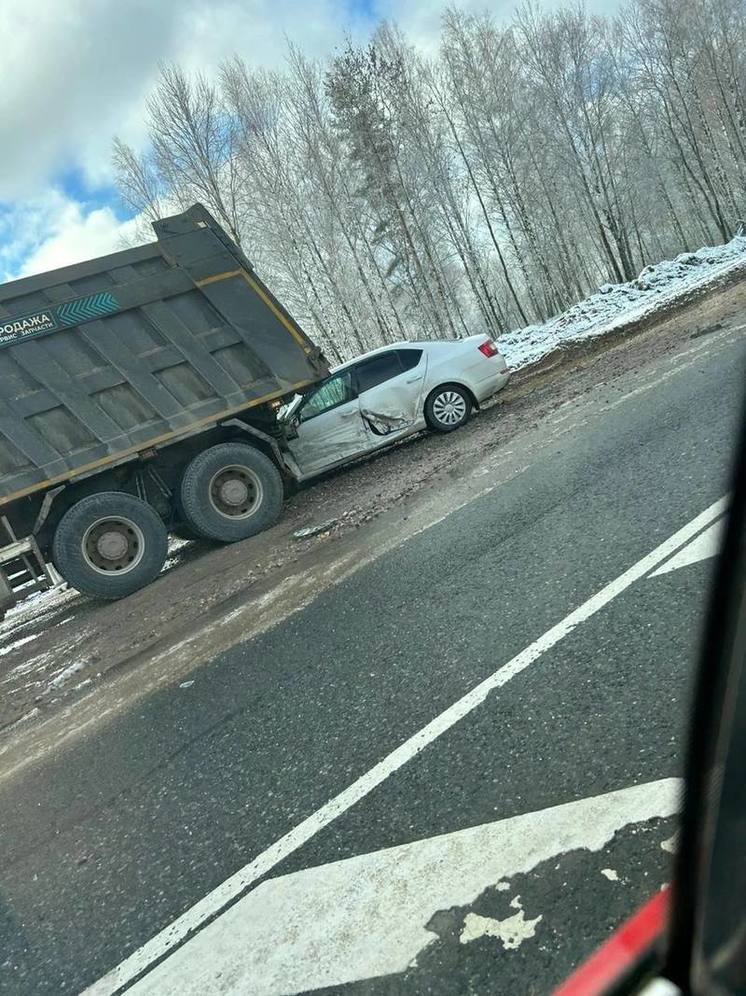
(490, 854)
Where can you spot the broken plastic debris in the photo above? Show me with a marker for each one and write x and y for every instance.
(314, 530)
(186, 684)
(671, 844)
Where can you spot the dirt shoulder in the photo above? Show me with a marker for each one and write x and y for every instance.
(56, 648)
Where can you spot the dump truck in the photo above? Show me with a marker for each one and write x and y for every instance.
(138, 397)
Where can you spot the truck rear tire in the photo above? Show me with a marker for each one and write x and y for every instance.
(109, 545)
(230, 492)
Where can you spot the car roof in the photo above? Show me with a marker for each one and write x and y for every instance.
(404, 344)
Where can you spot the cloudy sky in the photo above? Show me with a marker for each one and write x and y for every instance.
(76, 72)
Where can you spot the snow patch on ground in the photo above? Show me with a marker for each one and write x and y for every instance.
(31, 714)
(42, 671)
(62, 677)
(33, 607)
(614, 305)
(18, 643)
(176, 552)
(38, 663)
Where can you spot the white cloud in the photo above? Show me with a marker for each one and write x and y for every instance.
(74, 73)
(53, 230)
(420, 20)
(69, 72)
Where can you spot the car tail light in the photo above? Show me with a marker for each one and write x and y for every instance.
(488, 348)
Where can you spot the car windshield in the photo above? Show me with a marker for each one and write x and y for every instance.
(370, 376)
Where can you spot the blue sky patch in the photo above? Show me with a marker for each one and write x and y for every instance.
(73, 184)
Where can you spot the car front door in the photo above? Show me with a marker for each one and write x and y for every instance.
(390, 388)
(330, 428)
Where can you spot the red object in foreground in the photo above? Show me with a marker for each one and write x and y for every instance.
(621, 952)
(488, 348)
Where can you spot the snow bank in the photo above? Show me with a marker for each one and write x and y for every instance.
(614, 305)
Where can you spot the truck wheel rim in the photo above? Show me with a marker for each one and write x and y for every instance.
(235, 492)
(449, 407)
(114, 545)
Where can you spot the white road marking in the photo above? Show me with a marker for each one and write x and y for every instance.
(367, 916)
(706, 545)
(211, 904)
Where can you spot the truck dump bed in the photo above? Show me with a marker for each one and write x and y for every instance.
(104, 359)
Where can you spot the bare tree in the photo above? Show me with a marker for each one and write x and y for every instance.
(392, 196)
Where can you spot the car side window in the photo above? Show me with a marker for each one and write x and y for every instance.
(376, 370)
(409, 358)
(332, 393)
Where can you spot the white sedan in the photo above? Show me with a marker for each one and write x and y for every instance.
(388, 394)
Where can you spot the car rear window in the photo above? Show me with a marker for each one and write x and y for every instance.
(372, 372)
(409, 358)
